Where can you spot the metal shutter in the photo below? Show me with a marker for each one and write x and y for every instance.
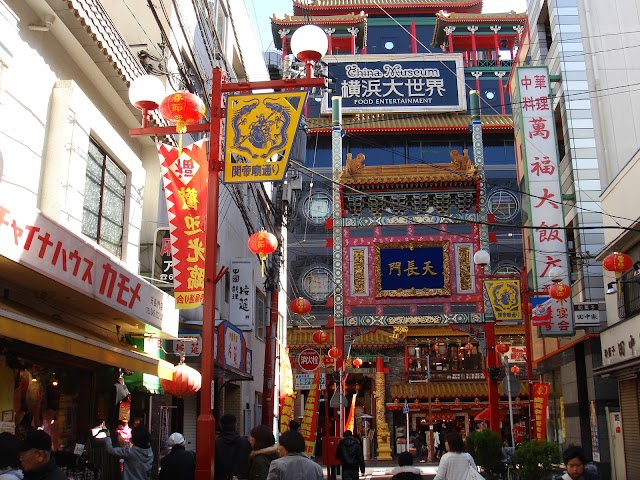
(629, 406)
(190, 417)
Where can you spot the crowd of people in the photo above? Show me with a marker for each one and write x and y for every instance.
(29, 456)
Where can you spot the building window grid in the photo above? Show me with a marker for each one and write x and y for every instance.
(261, 314)
(104, 200)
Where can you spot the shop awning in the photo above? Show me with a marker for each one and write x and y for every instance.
(34, 328)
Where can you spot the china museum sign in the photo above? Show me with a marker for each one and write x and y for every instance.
(383, 83)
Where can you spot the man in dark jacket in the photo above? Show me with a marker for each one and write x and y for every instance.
(36, 459)
(351, 457)
(232, 451)
(179, 464)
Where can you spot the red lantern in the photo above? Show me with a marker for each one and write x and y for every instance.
(559, 291)
(262, 243)
(320, 337)
(301, 306)
(335, 352)
(468, 347)
(515, 369)
(182, 108)
(357, 362)
(502, 348)
(617, 262)
(186, 381)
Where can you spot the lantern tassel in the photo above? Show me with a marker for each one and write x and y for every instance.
(181, 127)
(262, 262)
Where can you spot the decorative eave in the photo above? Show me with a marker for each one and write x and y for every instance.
(508, 19)
(411, 124)
(93, 29)
(303, 338)
(340, 22)
(460, 172)
(391, 7)
(452, 389)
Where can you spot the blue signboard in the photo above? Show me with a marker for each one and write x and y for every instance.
(411, 269)
(385, 83)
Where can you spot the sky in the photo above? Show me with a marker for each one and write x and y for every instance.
(261, 11)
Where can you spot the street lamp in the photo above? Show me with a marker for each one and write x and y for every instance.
(145, 98)
(482, 258)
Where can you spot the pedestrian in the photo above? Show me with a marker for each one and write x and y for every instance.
(263, 452)
(293, 425)
(406, 470)
(351, 457)
(180, 463)
(9, 463)
(576, 465)
(418, 443)
(36, 458)
(293, 464)
(454, 465)
(138, 459)
(232, 451)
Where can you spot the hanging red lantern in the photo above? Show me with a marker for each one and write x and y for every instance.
(186, 381)
(182, 108)
(357, 362)
(617, 262)
(334, 352)
(262, 243)
(320, 337)
(468, 347)
(515, 369)
(559, 291)
(502, 348)
(300, 305)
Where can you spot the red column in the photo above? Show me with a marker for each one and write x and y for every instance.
(206, 423)
(473, 29)
(269, 361)
(414, 38)
(285, 48)
(406, 359)
(526, 311)
(496, 43)
(492, 361)
(503, 107)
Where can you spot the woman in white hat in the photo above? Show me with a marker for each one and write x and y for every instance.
(179, 464)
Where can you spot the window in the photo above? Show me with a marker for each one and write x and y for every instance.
(317, 283)
(507, 269)
(103, 212)
(261, 315)
(317, 208)
(219, 19)
(503, 204)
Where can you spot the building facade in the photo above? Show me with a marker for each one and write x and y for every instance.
(84, 306)
(407, 177)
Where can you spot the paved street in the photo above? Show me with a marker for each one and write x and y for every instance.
(382, 470)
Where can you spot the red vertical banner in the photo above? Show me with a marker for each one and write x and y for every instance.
(540, 400)
(185, 184)
(310, 419)
(287, 403)
(352, 415)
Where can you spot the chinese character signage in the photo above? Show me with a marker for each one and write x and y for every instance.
(412, 269)
(540, 399)
(185, 184)
(538, 156)
(241, 300)
(504, 295)
(303, 381)
(387, 83)
(309, 423)
(232, 346)
(259, 135)
(190, 347)
(287, 396)
(31, 239)
(162, 268)
(586, 315)
(552, 316)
